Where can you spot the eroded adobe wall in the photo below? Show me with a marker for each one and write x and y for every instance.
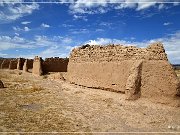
(1, 60)
(110, 67)
(5, 63)
(20, 63)
(13, 64)
(37, 66)
(55, 64)
(28, 64)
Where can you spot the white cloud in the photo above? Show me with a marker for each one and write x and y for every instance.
(17, 34)
(79, 31)
(45, 25)
(106, 41)
(26, 29)
(77, 17)
(66, 25)
(16, 28)
(167, 23)
(103, 6)
(10, 11)
(50, 46)
(161, 6)
(99, 30)
(3, 54)
(26, 22)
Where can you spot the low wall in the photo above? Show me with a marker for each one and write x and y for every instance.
(20, 63)
(13, 64)
(55, 64)
(1, 60)
(111, 67)
(37, 66)
(5, 63)
(28, 64)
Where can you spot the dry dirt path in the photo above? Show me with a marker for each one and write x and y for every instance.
(41, 104)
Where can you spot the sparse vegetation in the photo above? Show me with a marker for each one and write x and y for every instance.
(33, 104)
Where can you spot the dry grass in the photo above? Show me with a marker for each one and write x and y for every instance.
(34, 104)
(27, 106)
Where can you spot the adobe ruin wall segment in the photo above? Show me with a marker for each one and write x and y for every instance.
(55, 64)
(28, 64)
(13, 64)
(115, 53)
(20, 63)
(37, 66)
(110, 67)
(5, 63)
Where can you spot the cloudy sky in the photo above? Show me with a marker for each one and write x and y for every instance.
(54, 27)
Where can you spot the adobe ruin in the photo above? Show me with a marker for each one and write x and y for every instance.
(55, 64)
(1, 60)
(137, 72)
(28, 64)
(13, 64)
(5, 63)
(37, 66)
(20, 63)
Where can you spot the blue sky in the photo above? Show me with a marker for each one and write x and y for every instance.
(53, 29)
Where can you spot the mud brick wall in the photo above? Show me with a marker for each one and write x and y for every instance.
(5, 63)
(115, 67)
(20, 63)
(55, 64)
(37, 66)
(28, 64)
(13, 64)
(1, 60)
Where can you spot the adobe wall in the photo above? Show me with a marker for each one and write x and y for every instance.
(5, 63)
(13, 64)
(1, 60)
(135, 71)
(20, 63)
(28, 64)
(55, 64)
(37, 66)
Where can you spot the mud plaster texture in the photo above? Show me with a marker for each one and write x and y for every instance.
(55, 64)
(111, 67)
(28, 64)
(1, 60)
(20, 63)
(13, 64)
(5, 63)
(37, 66)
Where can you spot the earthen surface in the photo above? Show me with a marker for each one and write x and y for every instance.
(37, 66)
(20, 63)
(55, 65)
(110, 67)
(5, 63)
(28, 64)
(13, 64)
(36, 104)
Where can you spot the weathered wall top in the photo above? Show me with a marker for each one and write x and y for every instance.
(96, 53)
(53, 59)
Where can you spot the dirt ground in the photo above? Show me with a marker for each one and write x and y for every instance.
(40, 104)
